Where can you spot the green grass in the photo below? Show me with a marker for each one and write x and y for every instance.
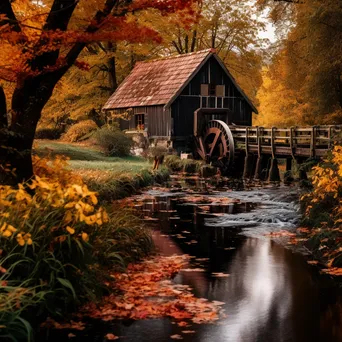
(87, 158)
(112, 177)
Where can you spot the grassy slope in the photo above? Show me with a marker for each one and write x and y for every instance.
(111, 177)
(88, 158)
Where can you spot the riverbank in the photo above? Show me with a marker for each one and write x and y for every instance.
(60, 237)
(321, 231)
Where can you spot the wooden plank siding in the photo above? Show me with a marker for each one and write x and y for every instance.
(157, 120)
(183, 108)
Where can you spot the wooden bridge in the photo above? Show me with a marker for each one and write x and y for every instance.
(261, 147)
(296, 142)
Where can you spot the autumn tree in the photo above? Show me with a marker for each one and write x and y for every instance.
(232, 28)
(40, 41)
(306, 72)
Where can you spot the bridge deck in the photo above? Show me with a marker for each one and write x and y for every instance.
(313, 141)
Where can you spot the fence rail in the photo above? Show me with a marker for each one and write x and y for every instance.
(312, 141)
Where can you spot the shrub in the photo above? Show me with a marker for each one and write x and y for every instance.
(80, 131)
(114, 142)
(327, 190)
(323, 210)
(49, 133)
(186, 165)
(173, 162)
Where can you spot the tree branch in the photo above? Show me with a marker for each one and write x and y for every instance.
(3, 109)
(60, 15)
(58, 19)
(98, 19)
(6, 8)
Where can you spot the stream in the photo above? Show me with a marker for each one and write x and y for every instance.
(271, 293)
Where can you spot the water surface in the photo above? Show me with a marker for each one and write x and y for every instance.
(271, 293)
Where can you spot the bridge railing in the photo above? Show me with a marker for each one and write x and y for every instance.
(305, 141)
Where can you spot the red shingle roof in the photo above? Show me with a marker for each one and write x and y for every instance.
(156, 82)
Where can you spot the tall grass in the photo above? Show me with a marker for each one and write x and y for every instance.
(116, 185)
(177, 164)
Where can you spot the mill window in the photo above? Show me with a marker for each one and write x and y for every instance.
(140, 122)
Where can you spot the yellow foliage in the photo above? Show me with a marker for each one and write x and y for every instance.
(54, 191)
(327, 182)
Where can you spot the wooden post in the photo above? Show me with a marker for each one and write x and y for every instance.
(259, 164)
(330, 143)
(292, 143)
(272, 142)
(249, 159)
(274, 175)
(249, 166)
(313, 142)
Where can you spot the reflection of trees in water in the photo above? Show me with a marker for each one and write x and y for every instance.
(331, 322)
(270, 296)
(257, 294)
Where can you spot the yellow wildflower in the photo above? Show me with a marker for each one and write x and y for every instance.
(68, 217)
(20, 239)
(70, 230)
(85, 237)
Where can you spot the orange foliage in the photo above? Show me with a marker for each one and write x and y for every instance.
(146, 292)
(33, 36)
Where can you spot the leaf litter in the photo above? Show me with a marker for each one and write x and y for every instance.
(146, 291)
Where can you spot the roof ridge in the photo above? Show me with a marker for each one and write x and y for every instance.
(178, 56)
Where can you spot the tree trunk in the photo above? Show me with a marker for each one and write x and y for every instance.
(27, 103)
(113, 83)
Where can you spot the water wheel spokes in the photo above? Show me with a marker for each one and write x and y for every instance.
(217, 144)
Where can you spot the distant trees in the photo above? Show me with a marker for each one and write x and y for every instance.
(303, 83)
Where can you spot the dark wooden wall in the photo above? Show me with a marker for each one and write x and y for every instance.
(182, 110)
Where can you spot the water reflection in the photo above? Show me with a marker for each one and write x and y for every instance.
(271, 293)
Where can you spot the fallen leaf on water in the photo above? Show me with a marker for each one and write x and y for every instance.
(192, 270)
(216, 302)
(50, 323)
(202, 259)
(188, 331)
(334, 271)
(111, 337)
(280, 233)
(146, 291)
(176, 337)
(220, 275)
(312, 262)
(182, 324)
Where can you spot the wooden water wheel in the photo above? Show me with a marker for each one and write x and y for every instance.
(216, 145)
